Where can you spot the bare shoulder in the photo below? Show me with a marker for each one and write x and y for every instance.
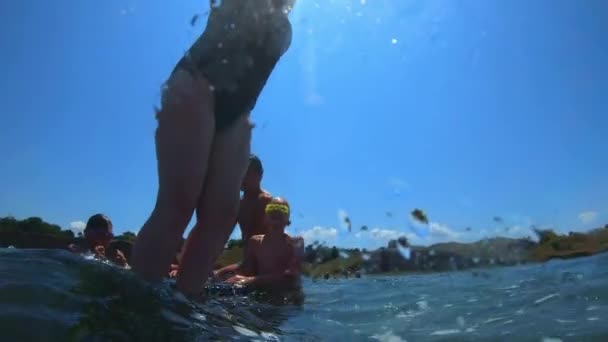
(265, 195)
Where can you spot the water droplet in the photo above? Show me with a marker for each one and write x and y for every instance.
(460, 321)
(232, 26)
(245, 332)
(546, 298)
(423, 305)
(224, 61)
(445, 332)
(344, 219)
(212, 88)
(363, 2)
(220, 45)
(394, 41)
(269, 336)
(199, 317)
(194, 20)
(405, 252)
(551, 339)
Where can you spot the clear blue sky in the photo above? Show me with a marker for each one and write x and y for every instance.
(468, 110)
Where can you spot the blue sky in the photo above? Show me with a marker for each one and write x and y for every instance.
(468, 110)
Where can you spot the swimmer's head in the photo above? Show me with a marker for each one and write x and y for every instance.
(285, 5)
(98, 231)
(254, 174)
(277, 214)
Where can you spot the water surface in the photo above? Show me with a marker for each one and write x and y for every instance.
(53, 295)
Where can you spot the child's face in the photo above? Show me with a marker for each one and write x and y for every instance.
(99, 236)
(277, 215)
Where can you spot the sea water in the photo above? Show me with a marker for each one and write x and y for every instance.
(50, 295)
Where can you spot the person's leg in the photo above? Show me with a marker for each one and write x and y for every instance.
(218, 206)
(186, 126)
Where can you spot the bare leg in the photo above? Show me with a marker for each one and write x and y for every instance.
(218, 206)
(186, 126)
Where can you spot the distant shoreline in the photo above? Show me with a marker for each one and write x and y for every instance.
(398, 257)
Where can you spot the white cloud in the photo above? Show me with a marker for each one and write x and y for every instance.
(432, 233)
(319, 234)
(385, 234)
(442, 231)
(77, 227)
(587, 216)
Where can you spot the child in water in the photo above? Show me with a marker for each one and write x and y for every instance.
(97, 240)
(274, 259)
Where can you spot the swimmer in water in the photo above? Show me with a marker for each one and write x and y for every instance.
(97, 240)
(273, 260)
(204, 134)
(254, 201)
(251, 212)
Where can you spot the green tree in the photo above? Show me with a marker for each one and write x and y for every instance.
(545, 235)
(232, 243)
(126, 236)
(335, 253)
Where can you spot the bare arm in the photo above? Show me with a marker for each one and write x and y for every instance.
(227, 269)
(247, 267)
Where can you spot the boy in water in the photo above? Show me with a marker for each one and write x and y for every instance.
(251, 212)
(254, 201)
(274, 259)
(97, 239)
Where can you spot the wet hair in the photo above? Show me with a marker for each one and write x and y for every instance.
(98, 221)
(256, 164)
